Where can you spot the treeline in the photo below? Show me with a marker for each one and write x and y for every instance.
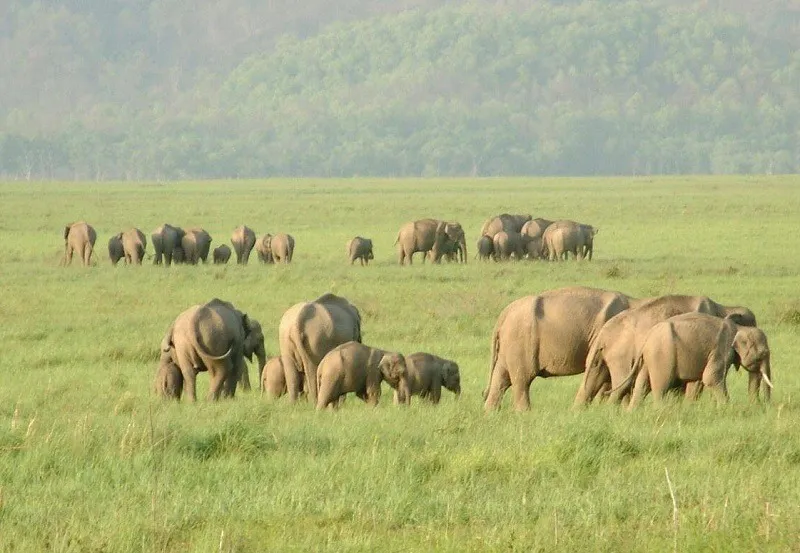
(172, 89)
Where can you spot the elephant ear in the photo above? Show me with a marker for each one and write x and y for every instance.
(441, 228)
(166, 342)
(66, 230)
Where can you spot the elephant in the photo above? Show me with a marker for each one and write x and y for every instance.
(309, 330)
(272, 377)
(115, 249)
(169, 379)
(427, 235)
(700, 348)
(427, 374)
(196, 244)
(243, 240)
(78, 237)
(214, 337)
(485, 248)
(546, 335)
(450, 250)
(361, 249)
(589, 233)
(278, 248)
(507, 244)
(178, 255)
(535, 228)
(222, 254)
(504, 222)
(354, 367)
(166, 239)
(133, 244)
(564, 237)
(534, 248)
(614, 349)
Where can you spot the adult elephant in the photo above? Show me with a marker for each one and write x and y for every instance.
(428, 235)
(309, 330)
(616, 346)
(546, 335)
(78, 237)
(564, 237)
(535, 227)
(699, 348)
(450, 250)
(281, 247)
(166, 239)
(134, 245)
(504, 222)
(196, 243)
(214, 337)
(243, 240)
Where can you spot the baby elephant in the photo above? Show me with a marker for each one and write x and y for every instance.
(361, 249)
(169, 379)
(354, 367)
(273, 380)
(427, 374)
(222, 254)
(485, 248)
(696, 348)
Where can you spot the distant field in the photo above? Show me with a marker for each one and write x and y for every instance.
(90, 460)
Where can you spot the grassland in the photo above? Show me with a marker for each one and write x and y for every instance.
(90, 460)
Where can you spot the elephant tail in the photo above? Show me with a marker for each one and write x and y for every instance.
(624, 388)
(493, 362)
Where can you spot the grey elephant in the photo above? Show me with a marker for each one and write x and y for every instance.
(503, 222)
(589, 232)
(78, 237)
(566, 237)
(169, 379)
(354, 367)
(485, 248)
(616, 345)
(166, 239)
(222, 254)
(282, 247)
(196, 244)
(309, 330)
(243, 240)
(534, 248)
(450, 250)
(273, 379)
(546, 335)
(700, 348)
(134, 245)
(115, 249)
(214, 337)
(427, 235)
(360, 248)
(508, 244)
(428, 374)
(535, 227)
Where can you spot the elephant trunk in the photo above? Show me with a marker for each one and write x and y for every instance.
(463, 241)
(261, 355)
(764, 374)
(405, 391)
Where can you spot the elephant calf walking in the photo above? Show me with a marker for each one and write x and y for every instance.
(427, 375)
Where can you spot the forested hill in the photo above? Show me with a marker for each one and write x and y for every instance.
(133, 89)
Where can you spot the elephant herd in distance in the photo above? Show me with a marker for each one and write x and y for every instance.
(175, 245)
(321, 357)
(625, 348)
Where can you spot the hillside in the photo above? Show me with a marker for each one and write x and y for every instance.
(132, 90)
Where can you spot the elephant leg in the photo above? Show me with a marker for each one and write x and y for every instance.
(311, 383)
(499, 383)
(640, 388)
(693, 390)
(244, 378)
(593, 381)
(293, 381)
(190, 384)
(220, 377)
(522, 394)
(168, 258)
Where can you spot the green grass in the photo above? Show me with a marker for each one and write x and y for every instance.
(90, 460)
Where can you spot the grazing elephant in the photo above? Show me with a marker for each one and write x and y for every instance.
(485, 248)
(507, 244)
(115, 249)
(134, 244)
(263, 249)
(428, 235)
(222, 254)
(546, 335)
(564, 237)
(214, 337)
(196, 244)
(166, 239)
(534, 247)
(169, 379)
(309, 330)
(276, 249)
(272, 377)
(427, 374)
(504, 222)
(354, 367)
(243, 240)
(614, 349)
(78, 237)
(450, 250)
(361, 249)
(535, 228)
(699, 348)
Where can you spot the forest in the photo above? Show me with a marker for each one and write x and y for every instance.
(173, 89)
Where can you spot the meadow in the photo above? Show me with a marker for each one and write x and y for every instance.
(91, 460)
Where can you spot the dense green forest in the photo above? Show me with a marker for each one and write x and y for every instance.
(139, 89)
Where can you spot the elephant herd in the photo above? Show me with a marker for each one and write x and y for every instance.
(173, 244)
(625, 347)
(321, 356)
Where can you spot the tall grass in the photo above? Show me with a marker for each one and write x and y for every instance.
(90, 460)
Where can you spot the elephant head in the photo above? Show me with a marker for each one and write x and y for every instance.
(453, 232)
(169, 379)
(751, 351)
(254, 341)
(742, 316)
(394, 371)
(451, 378)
